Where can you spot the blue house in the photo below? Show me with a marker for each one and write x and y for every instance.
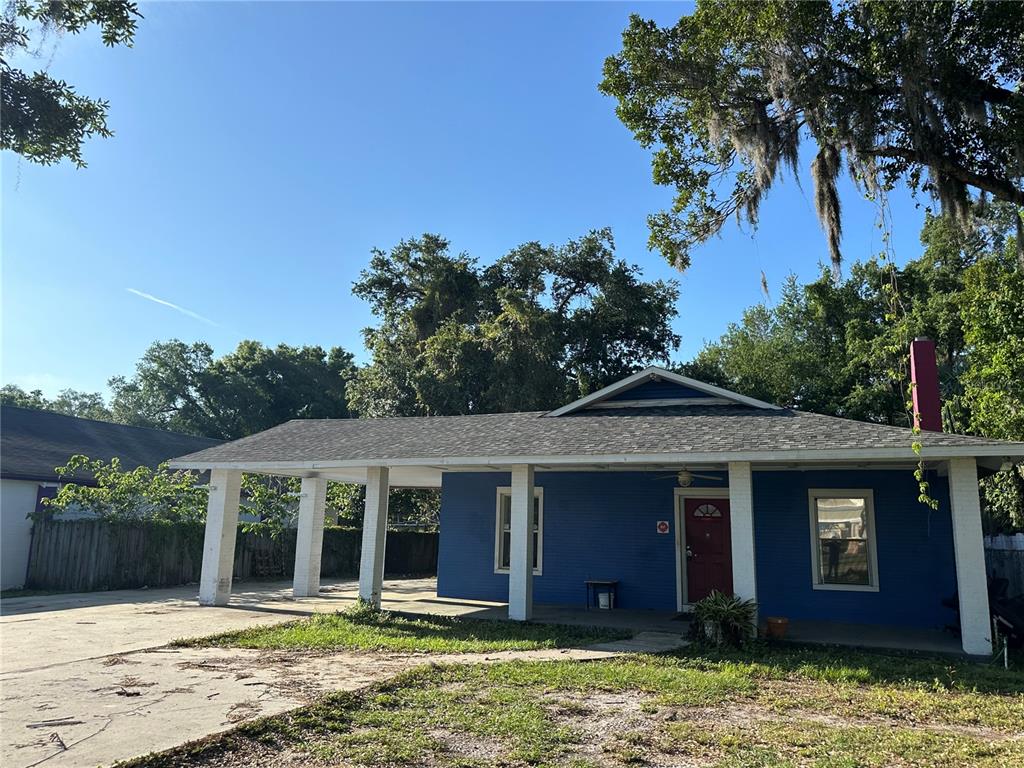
(666, 486)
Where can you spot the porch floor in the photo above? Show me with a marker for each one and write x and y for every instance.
(419, 596)
(873, 636)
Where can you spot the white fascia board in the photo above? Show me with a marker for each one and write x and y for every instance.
(1012, 451)
(651, 373)
(253, 465)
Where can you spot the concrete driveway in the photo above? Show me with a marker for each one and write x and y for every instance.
(87, 679)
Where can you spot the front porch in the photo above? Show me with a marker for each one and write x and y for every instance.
(418, 597)
(600, 523)
(415, 597)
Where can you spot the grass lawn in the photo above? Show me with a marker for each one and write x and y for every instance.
(762, 707)
(367, 630)
(8, 594)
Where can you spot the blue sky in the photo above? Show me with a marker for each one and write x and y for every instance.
(262, 150)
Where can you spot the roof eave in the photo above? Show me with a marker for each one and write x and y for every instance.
(1007, 451)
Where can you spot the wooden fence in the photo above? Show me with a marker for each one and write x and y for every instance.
(1007, 564)
(85, 555)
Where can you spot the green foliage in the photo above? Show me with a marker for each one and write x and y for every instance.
(725, 619)
(922, 94)
(839, 348)
(182, 387)
(274, 501)
(407, 507)
(363, 627)
(993, 379)
(111, 493)
(759, 706)
(44, 119)
(1004, 500)
(87, 405)
(118, 495)
(993, 316)
(540, 326)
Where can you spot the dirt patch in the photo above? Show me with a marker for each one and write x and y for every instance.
(469, 747)
(264, 755)
(599, 715)
(113, 661)
(130, 681)
(609, 729)
(243, 710)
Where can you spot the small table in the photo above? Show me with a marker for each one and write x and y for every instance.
(596, 587)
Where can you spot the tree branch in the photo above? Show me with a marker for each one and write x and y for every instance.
(998, 187)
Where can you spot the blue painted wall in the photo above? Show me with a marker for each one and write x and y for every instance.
(603, 526)
(915, 550)
(597, 525)
(657, 390)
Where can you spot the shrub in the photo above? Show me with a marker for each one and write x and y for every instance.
(725, 619)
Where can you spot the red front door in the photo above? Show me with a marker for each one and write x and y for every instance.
(708, 548)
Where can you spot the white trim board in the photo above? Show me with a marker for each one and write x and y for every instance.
(872, 538)
(678, 494)
(538, 493)
(503, 462)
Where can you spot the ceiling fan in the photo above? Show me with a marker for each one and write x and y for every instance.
(685, 477)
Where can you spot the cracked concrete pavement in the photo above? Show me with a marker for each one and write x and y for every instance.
(89, 679)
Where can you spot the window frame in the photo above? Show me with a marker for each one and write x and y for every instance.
(868, 496)
(506, 490)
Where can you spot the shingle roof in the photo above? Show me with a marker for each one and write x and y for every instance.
(720, 430)
(33, 443)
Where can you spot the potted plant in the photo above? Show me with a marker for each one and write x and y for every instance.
(722, 618)
(777, 626)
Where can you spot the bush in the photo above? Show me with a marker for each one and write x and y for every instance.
(118, 495)
(725, 619)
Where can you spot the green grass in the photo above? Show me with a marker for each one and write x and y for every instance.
(760, 707)
(9, 594)
(361, 629)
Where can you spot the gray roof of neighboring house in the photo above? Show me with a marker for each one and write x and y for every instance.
(727, 431)
(33, 443)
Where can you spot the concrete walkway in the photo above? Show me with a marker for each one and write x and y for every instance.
(88, 679)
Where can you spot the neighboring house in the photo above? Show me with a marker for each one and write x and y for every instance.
(666, 485)
(34, 443)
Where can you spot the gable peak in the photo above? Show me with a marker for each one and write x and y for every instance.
(655, 387)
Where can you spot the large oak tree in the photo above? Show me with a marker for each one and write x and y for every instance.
(45, 119)
(925, 94)
(538, 327)
(183, 387)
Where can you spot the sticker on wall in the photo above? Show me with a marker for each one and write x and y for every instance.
(663, 526)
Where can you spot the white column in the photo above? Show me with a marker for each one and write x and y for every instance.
(219, 541)
(375, 528)
(520, 577)
(969, 550)
(309, 537)
(741, 517)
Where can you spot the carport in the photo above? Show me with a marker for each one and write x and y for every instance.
(223, 509)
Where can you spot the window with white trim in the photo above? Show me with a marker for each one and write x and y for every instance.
(843, 539)
(503, 530)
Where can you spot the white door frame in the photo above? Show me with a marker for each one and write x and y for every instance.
(679, 494)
